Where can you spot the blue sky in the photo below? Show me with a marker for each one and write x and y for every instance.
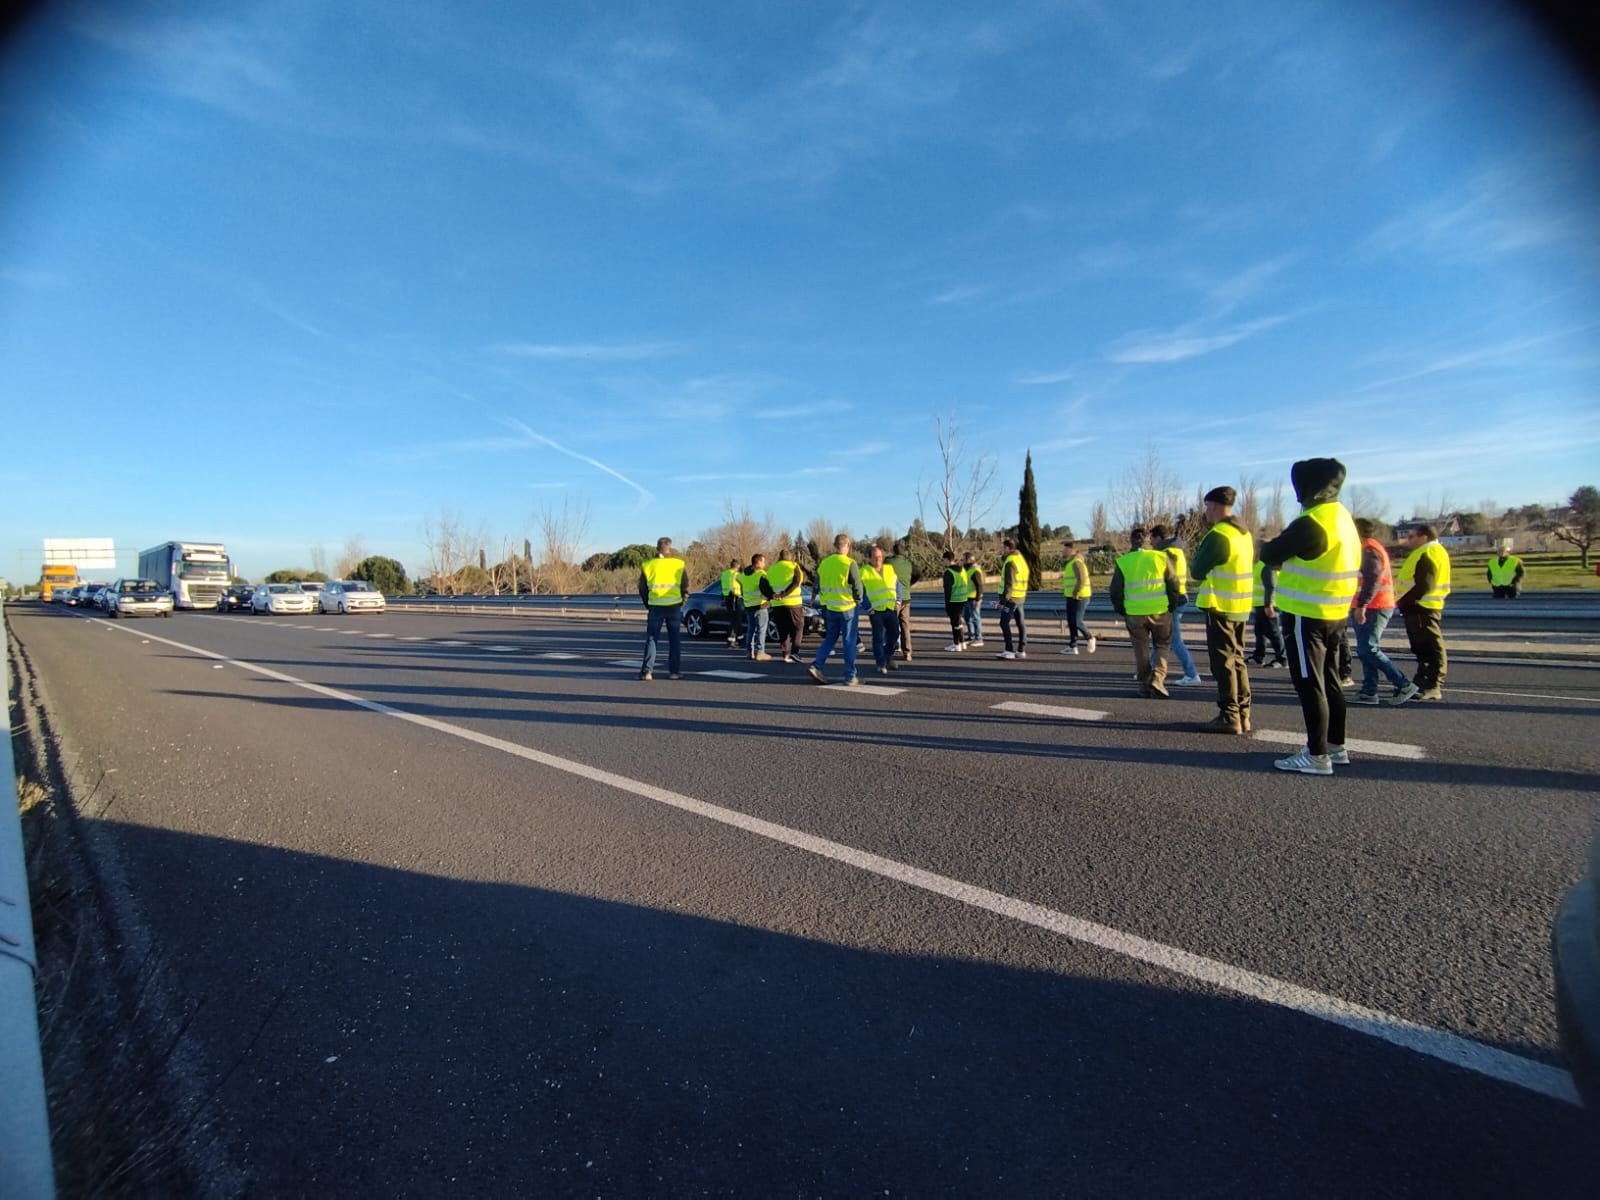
(288, 274)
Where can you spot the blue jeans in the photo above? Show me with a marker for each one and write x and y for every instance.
(755, 628)
(1179, 650)
(671, 616)
(1075, 626)
(837, 625)
(1008, 614)
(1374, 662)
(972, 614)
(885, 633)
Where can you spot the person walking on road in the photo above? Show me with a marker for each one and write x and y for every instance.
(1013, 594)
(839, 593)
(1173, 549)
(881, 583)
(907, 575)
(1143, 591)
(1265, 616)
(1075, 592)
(783, 583)
(1318, 558)
(1223, 566)
(663, 586)
(1426, 577)
(1371, 612)
(1505, 574)
(730, 600)
(757, 614)
(957, 597)
(973, 614)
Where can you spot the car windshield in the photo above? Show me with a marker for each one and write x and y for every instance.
(356, 586)
(280, 588)
(138, 586)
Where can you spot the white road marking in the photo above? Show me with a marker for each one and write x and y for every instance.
(559, 654)
(453, 643)
(730, 674)
(625, 662)
(866, 689)
(503, 649)
(1360, 745)
(1446, 1047)
(1052, 710)
(1523, 695)
(418, 638)
(380, 635)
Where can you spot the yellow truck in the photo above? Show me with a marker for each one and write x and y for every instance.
(56, 577)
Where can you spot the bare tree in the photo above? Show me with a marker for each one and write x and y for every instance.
(741, 535)
(355, 550)
(1248, 502)
(1099, 527)
(448, 546)
(1363, 501)
(963, 492)
(1272, 518)
(1148, 493)
(319, 560)
(561, 536)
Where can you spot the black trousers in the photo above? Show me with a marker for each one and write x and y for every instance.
(1313, 647)
(957, 612)
(1427, 643)
(1267, 633)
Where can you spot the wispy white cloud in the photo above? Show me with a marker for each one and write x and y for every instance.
(1033, 378)
(755, 476)
(1502, 355)
(1056, 445)
(1189, 341)
(532, 436)
(592, 351)
(817, 408)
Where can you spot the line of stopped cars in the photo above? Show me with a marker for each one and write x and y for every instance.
(309, 596)
(122, 598)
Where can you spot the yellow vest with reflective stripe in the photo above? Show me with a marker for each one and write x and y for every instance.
(1228, 588)
(1504, 574)
(833, 584)
(961, 589)
(1144, 582)
(1180, 565)
(1258, 589)
(1434, 597)
(881, 588)
(1075, 579)
(779, 575)
(1019, 576)
(664, 577)
(750, 588)
(1323, 587)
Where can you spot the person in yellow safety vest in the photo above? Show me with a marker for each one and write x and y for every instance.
(1505, 574)
(1318, 560)
(1143, 591)
(882, 586)
(1224, 567)
(906, 573)
(782, 585)
(957, 599)
(1013, 594)
(1426, 577)
(839, 593)
(757, 614)
(663, 586)
(730, 600)
(972, 611)
(1164, 541)
(1075, 592)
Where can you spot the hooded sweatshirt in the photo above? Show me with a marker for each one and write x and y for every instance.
(1316, 481)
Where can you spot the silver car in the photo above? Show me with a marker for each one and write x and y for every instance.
(351, 596)
(278, 599)
(137, 598)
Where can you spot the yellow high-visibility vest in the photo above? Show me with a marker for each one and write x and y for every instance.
(1258, 590)
(1144, 582)
(1504, 574)
(664, 577)
(881, 587)
(1018, 588)
(1180, 565)
(1227, 588)
(1324, 586)
(833, 584)
(1434, 596)
(1075, 579)
(961, 589)
(780, 575)
(729, 588)
(750, 588)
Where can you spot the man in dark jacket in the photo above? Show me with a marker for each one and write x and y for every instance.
(1318, 558)
(1222, 566)
(907, 575)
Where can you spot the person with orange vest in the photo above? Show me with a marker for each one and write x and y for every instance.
(1371, 611)
(1318, 558)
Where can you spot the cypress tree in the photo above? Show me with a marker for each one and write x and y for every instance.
(1028, 536)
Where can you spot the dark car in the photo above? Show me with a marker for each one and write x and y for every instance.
(703, 612)
(1575, 954)
(236, 598)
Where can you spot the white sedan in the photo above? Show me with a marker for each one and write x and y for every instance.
(280, 598)
(351, 596)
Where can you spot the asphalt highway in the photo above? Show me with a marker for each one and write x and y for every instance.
(459, 905)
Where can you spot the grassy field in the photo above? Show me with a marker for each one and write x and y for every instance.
(1555, 569)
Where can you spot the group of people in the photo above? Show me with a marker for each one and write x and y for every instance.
(1326, 573)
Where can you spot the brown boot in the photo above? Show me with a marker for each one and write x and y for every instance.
(1221, 723)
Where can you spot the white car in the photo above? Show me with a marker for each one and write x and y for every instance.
(351, 596)
(281, 598)
(137, 598)
(313, 588)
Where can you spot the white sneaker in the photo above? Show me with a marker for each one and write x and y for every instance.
(956, 647)
(1188, 681)
(1069, 649)
(1306, 764)
(1337, 755)
(1005, 654)
(976, 642)
(1022, 654)
(1091, 643)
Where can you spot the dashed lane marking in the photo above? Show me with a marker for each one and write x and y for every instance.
(865, 689)
(562, 654)
(625, 662)
(503, 649)
(731, 674)
(1525, 695)
(414, 639)
(1360, 745)
(1438, 1044)
(453, 643)
(380, 635)
(1052, 710)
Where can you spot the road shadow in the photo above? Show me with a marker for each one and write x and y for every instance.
(372, 1030)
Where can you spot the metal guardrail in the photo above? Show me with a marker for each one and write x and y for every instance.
(25, 1168)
